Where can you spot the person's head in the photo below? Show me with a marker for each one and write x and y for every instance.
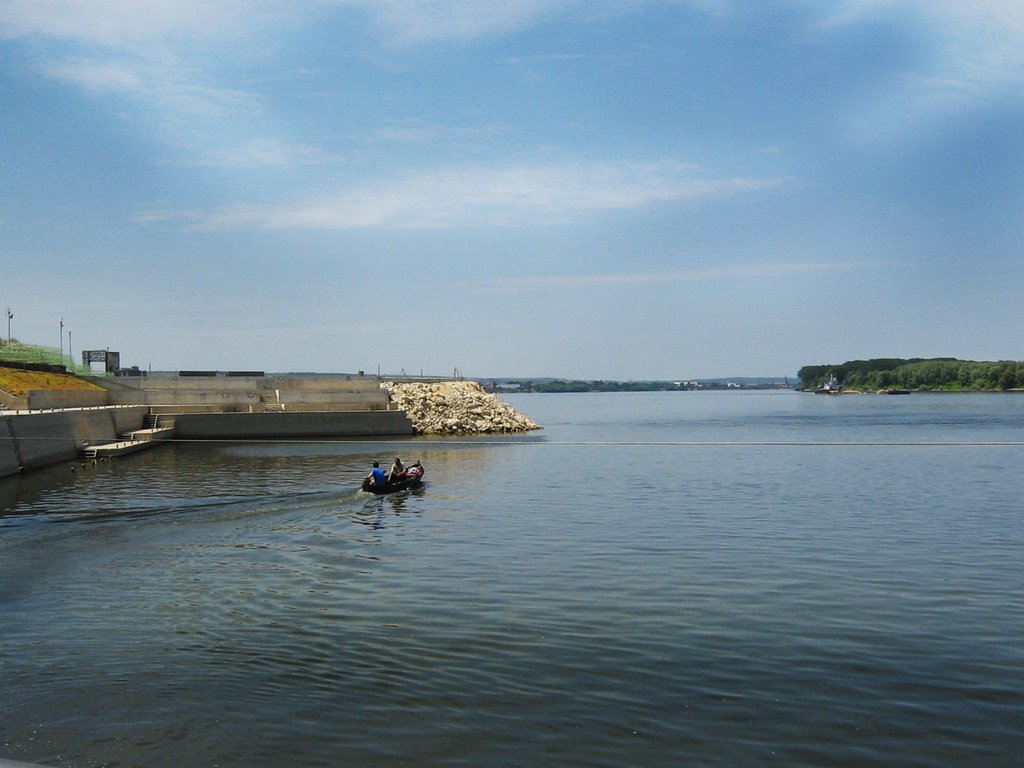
(397, 460)
(376, 465)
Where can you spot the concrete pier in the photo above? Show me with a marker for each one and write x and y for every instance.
(30, 440)
(132, 442)
(135, 413)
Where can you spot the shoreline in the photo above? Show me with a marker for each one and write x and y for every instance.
(75, 423)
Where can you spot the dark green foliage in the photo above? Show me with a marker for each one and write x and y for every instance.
(938, 373)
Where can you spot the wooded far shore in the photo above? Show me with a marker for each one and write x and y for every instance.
(936, 374)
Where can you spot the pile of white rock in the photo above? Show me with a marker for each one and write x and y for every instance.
(455, 408)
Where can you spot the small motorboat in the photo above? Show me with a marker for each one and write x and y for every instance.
(411, 478)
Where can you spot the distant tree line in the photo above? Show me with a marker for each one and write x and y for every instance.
(577, 385)
(946, 374)
(561, 385)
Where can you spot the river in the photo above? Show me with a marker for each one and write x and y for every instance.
(655, 579)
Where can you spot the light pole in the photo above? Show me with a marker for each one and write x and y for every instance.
(9, 316)
(71, 355)
(62, 341)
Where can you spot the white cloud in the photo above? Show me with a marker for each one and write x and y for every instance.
(136, 25)
(139, 25)
(160, 58)
(973, 54)
(171, 90)
(264, 153)
(413, 22)
(98, 76)
(412, 131)
(476, 196)
(984, 42)
(558, 282)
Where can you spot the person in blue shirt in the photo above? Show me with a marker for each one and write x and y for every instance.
(377, 475)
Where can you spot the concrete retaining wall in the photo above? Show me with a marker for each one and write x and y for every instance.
(42, 399)
(248, 393)
(45, 438)
(236, 407)
(127, 419)
(33, 440)
(9, 402)
(229, 426)
(10, 464)
(229, 402)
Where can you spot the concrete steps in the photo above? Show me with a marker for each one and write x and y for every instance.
(130, 442)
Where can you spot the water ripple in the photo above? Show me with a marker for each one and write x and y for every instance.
(613, 605)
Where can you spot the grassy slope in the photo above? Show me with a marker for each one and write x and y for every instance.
(19, 383)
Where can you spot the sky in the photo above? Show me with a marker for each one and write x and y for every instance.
(598, 189)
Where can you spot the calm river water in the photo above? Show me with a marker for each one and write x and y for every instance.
(656, 579)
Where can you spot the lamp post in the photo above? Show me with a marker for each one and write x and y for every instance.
(9, 316)
(71, 355)
(62, 341)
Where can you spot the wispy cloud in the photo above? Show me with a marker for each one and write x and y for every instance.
(98, 76)
(412, 131)
(146, 27)
(143, 25)
(267, 153)
(413, 22)
(978, 44)
(162, 61)
(175, 90)
(742, 271)
(972, 54)
(477, 196)
(404, 23)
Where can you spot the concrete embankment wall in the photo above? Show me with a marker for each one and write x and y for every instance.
(43, 399)
(9, 402)
(33, 440)
(249, 393)
(324, 424)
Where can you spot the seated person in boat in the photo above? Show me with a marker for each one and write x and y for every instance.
(397, 470)
(377, 476)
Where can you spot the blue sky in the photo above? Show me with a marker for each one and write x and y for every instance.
(654, 189)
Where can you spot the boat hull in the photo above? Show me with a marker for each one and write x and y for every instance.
(408, 480)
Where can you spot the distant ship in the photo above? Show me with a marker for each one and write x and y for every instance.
(830, 387)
